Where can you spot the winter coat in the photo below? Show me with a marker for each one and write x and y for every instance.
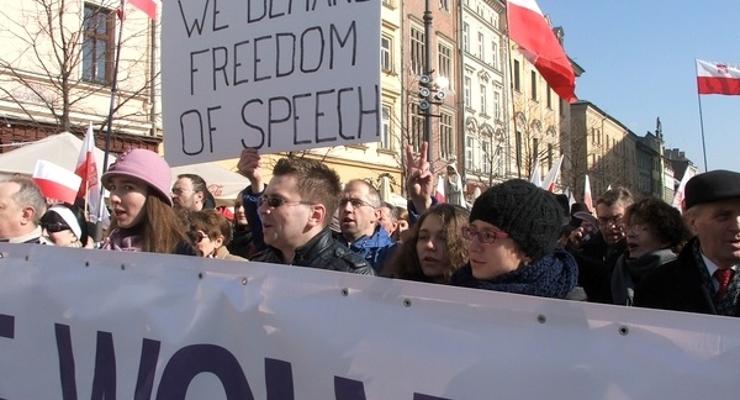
(323, 252)
(374, 249)
(629, 273)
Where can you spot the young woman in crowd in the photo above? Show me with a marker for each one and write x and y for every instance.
(655, 235)
(65, 226)
(435, 248)
(210, 233)
(513, 233)
(141, 207)
(241, 242)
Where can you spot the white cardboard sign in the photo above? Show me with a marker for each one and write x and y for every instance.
(276, 75)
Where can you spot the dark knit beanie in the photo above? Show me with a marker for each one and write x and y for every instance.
(530, 215)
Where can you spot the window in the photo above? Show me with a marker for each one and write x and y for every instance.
(446, 138)
(417, 51)
(466, 37)
(444, 5)
(497, 105)
(483, 99)
(389, 3)
(469, 162)
(494, 54)
(519, 149)
(534, 85)
(417, 127)
(481, 46)
(386, 62)
(535, 149)
(444, 60)
(494, 19)
(97, 45)
(486, 155)
(468, 87)
(385, 134)
(549, 98)
(517, 85)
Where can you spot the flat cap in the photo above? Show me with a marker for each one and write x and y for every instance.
(712, 186)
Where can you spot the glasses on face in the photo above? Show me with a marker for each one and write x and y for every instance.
(486, 236)
(277, 202)
(55, 227)
(197, 236)
(611, 221)
(179, 191)
(356, 203)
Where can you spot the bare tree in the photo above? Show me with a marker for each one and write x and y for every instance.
(48, 69)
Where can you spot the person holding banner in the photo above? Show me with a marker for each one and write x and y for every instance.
(704, 278)
(143, 218)
(513, 232)
(655, 235)
(435, 249)
(65, 226)
(295, 211)
(21, 208)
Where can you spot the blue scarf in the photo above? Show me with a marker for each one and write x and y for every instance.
(554, 275)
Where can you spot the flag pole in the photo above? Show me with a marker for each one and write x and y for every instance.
(109, 130)
(701, 119)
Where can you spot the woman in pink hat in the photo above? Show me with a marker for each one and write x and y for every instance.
(141, 207)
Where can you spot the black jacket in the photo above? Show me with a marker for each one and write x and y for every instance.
(323, 252)
(678, 285)
(596, 262)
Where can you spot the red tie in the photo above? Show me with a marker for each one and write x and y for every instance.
(723, 276)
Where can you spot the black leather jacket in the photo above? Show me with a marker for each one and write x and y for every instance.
(323, 252)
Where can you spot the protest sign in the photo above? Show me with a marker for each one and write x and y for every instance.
(275, 75)
(78, 323)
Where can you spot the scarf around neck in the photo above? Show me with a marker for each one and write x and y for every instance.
(630, 271)
(553, 275)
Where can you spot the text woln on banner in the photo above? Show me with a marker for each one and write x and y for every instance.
(275, 76)
(175, 327)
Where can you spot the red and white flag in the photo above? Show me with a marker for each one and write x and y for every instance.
(531, 31)
(552, 176)
(55, 182)
(536, 178)
(87, 169)
(587, 200)
(717, 78)
(147, 6)
(678, 198)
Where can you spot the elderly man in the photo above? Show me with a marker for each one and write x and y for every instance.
(704, 278)
(21, 207)
(359, 214)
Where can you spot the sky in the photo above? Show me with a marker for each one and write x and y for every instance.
(639, 61)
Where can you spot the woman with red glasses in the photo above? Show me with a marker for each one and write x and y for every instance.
(513, 232)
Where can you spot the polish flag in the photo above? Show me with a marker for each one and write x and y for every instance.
(552, 176)
(717, 78)
(439, 194)
(678, 198)
(529, 29)
(148, 6)
(587, 200)
(55, 182)
(535, 177)
(87, 169)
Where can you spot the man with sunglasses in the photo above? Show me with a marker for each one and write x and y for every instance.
(21, 208)
(294, 212)
(359, 214)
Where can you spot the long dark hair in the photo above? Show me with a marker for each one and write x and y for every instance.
(405, 265)
(160, 228)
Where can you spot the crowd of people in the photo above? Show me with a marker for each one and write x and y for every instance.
(516, 237)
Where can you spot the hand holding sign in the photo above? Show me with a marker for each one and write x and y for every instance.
(250, 166)
(419, 178)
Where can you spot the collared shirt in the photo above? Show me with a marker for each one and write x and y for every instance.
(711, 267)
(33, 236)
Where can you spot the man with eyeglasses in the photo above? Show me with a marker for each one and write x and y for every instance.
(21, 208)
(294, 212)
(359, 214)
(596, 258)
(190, 193)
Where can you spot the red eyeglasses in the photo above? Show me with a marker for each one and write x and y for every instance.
(486, 236)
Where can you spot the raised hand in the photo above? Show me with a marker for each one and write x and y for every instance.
(419, 177)
(250, 166)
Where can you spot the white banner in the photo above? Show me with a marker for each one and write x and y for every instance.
(276, 75)
(95, 324)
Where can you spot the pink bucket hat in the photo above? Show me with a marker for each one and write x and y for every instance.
(145, 165)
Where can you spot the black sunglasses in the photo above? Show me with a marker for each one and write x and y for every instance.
(276, 202)
(55, 227)
(197, 236)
